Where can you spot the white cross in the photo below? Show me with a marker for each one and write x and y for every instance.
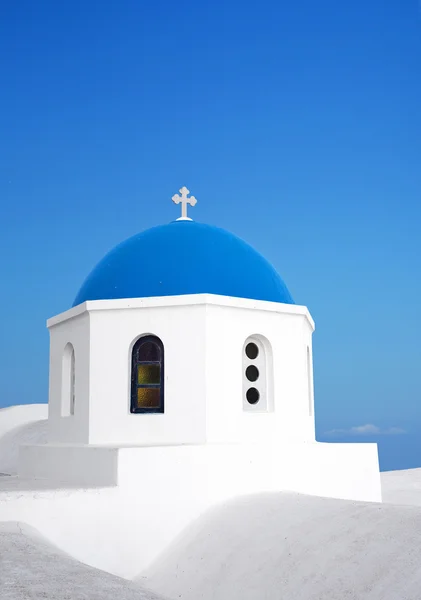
(184, 201)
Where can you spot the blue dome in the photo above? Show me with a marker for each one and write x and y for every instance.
(183, 257)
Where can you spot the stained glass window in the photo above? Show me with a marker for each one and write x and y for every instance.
(147, 391)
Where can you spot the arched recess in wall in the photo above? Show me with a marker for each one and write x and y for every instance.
(257, 364)
(310, 383)
(147, 376)
(68, 381)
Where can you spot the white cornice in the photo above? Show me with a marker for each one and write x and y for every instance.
(183, 300)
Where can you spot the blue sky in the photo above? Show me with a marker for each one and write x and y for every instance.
(297, 125)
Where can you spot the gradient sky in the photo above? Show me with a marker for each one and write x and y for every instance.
(297, 125)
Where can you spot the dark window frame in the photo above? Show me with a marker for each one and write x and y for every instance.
(134, 409)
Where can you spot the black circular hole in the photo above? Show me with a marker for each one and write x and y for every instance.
(252, 373)
(252, 396)
(252, 351)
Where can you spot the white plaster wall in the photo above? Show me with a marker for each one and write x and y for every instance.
(81, 465)
(346, 471)
(203, 337)
(162, 489)
(113, 333)
(72, 428)
(227, 329)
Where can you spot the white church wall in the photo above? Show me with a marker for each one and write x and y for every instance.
(76, 464)
(113, 333)
(203, 337)
(229, 325)
(347, 471)
(65, 336)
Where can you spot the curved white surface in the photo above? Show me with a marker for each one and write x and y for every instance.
(265, 543)
(23, 424)
(402, 487)
(13, 416)
(32, 568)
(297, 547)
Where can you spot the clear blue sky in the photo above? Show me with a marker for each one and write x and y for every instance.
(296, 124)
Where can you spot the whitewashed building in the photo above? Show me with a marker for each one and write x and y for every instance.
(181, 377)
(185, 336)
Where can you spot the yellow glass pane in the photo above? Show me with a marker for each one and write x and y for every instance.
(148, 374)
(148, 397)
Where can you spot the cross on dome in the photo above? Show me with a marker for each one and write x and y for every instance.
(184, 201)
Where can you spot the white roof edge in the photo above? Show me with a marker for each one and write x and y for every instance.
(75, 311)
(182, 300)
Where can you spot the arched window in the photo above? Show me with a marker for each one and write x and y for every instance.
(72, 382)
(309, 383)
(255, 375)
(147, 390)
(68, 375)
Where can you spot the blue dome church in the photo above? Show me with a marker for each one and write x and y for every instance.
(183, 376)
